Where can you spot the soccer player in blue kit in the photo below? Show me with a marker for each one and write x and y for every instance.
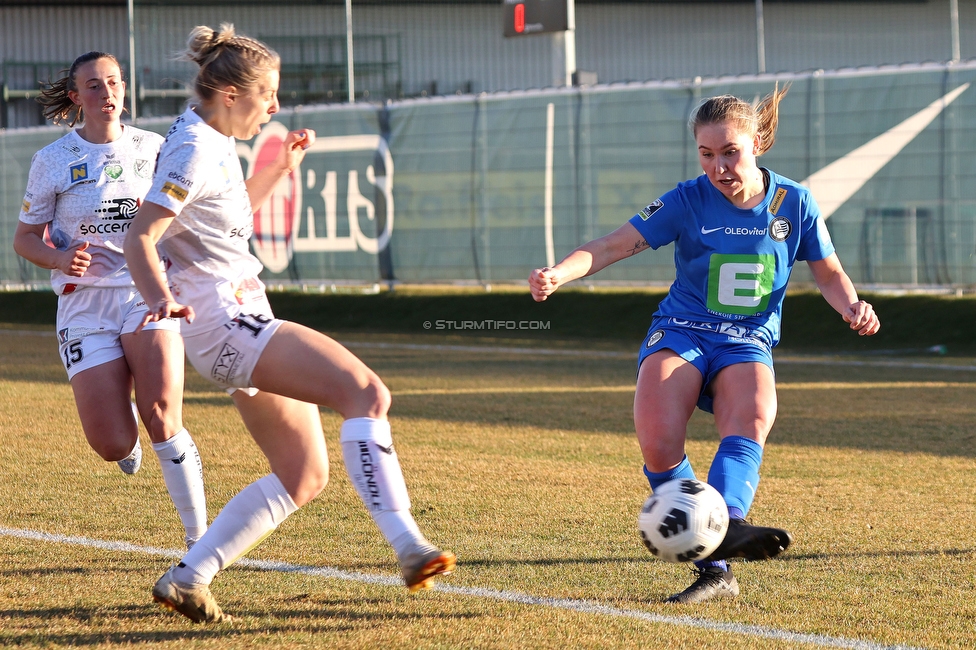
(737, 231)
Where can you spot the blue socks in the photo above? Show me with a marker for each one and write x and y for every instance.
(657, 479)
(735, 473)
(683, 470)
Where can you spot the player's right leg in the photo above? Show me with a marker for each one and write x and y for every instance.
(102, 397)
(668, 389)
(88, 323)
(289, 433)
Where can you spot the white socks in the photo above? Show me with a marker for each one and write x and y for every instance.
(183, 474)
(244, 522)
(372, 464)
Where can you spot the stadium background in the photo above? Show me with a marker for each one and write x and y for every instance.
(466, 158)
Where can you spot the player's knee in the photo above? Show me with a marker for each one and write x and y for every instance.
(162, 424)
(312, 482)
(372, 400)
(114, 449)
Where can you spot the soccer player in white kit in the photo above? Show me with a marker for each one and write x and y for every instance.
(84, 190)
(199, 211)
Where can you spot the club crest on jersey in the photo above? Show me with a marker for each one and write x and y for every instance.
(78, 172)
(780, 229)
(654, 338)
(143, 168)
(647, 211)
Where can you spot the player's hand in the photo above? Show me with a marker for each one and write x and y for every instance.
(76, 261)
(293, 148)
(862, 318)
(166, 308)
(543, 283)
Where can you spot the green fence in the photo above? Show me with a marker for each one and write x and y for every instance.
(486, 188)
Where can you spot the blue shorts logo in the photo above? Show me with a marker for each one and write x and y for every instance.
(654, 338)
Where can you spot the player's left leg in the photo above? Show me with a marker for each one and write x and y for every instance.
(307, 365)
(745, 405)
(156, 360)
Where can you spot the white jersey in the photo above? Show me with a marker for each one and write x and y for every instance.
(90, 192)
(209, 264)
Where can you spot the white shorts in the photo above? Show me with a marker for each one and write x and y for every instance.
(227, 355)
(92, 320)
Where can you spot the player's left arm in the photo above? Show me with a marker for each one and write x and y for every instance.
(261, 185)
(142, 258)
(839, 292)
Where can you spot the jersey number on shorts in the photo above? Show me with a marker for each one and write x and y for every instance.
(253, 323)
(72, 353)
(740, 284)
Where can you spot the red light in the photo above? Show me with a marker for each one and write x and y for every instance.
(519, 18)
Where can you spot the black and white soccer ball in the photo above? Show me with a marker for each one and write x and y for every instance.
(683, 520)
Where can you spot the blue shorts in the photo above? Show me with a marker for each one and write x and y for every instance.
(707, 346)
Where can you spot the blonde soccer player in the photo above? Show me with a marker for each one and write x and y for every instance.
(199, 212)
(83, 189)
(737, 231)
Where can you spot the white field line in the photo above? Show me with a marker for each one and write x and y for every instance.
(597, 354)
(582, 606)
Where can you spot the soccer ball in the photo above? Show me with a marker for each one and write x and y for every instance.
(683, 520)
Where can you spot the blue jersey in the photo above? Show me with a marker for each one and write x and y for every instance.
(733, 264)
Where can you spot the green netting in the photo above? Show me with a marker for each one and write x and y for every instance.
(455, 189)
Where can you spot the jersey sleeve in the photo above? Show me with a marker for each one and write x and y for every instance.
(815, 243)
(660, 222)
(41, 196)
(174, 185)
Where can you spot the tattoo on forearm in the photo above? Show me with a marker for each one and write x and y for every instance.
(638, 247)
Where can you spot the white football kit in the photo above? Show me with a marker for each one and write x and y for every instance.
(88, 192)
(208, 261)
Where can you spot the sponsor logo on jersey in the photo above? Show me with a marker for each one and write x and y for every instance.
(25, 206)
(183, 180)
(648, 210)
(119, 208)
(143, 168)
(740, 284)
(780, 229)
(78, 172)
(117, 214)
(175, 191)
(248, 290)
(777, 201)
(137, 141)
(113, 171)
(62, 336)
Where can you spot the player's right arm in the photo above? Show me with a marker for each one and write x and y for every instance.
(149, 224)
(586, 260)
(29, 244)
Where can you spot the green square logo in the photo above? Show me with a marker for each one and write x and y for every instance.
(740, 284)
